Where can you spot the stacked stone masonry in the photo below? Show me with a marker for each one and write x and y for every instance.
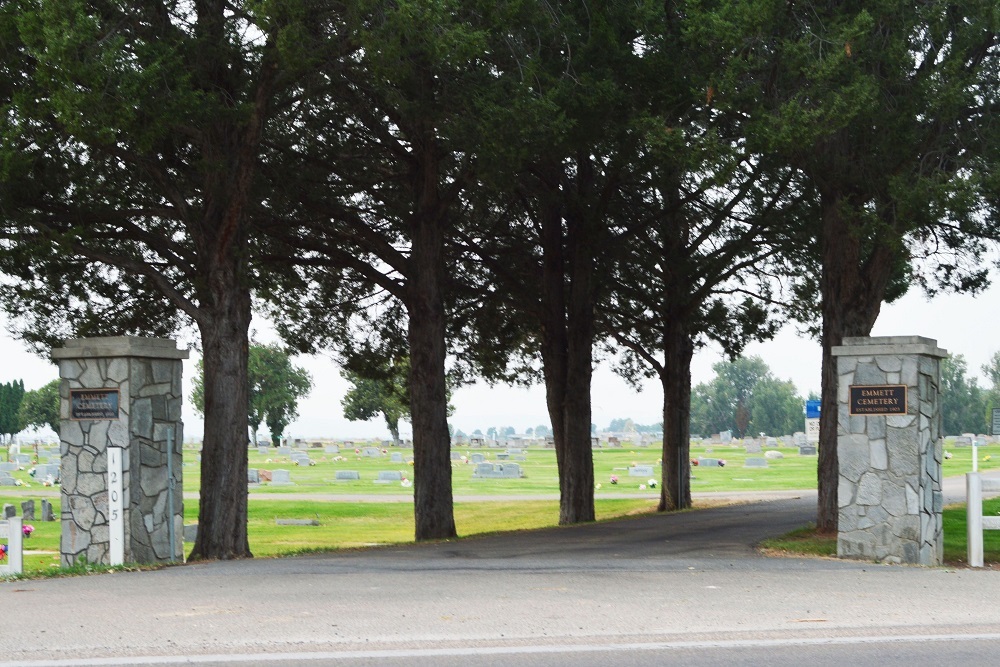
(889, 491)
(147, 374)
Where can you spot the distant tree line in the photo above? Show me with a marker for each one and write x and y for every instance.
(965, 406)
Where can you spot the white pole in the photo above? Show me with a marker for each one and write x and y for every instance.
(974, 518)
(975, 455)
(15, 545)
(116, 512)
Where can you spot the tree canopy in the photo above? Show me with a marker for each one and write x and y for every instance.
(40, 407)
(274, 387)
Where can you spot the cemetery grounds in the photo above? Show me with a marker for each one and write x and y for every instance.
(368, 512)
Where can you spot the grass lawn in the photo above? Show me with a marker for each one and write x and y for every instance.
(362, 523)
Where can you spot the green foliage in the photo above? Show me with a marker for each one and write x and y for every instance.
(40, 407)
(384, 391)
(963, 402)
(275, 386)
(11, 395)
(745, 387)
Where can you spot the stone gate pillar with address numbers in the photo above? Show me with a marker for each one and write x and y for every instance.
(889, 449)
(120, 406)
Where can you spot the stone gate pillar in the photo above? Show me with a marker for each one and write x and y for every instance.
(121, 392)
(889, 449)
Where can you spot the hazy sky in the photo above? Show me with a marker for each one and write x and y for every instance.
(961, 324)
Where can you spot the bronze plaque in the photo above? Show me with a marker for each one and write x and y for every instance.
(887, 399)
(91, 404)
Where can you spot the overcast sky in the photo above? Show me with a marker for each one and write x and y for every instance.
(961, 324)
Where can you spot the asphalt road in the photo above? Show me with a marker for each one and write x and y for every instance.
(687, 588)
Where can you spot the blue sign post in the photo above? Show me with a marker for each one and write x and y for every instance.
(812, 421)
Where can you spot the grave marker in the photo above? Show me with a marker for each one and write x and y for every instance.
(281, 477)
(347, 475)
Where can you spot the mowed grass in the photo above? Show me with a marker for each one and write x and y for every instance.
(361, 523)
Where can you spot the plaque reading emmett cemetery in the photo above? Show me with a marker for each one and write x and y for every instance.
(887, 399)
(93, 403)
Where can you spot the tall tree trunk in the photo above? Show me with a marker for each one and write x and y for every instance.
(675, 378)
(852, 288)
(576, 477)
(222, 511)
(567, 343)
(554, 346)
(432, 493)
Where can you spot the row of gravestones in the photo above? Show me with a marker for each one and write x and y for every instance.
(28, 511)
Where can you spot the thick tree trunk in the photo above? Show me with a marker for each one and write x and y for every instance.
(567, 343)
(675, 378)
(432, 493)
(852, 287)
(576, 477)
(222, 511)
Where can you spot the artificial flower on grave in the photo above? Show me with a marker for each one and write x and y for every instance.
(406, 483)
(987, 457)
(31, 473)
(722, 463)
(651, 483)
(3, 552)
(27, 529)
(694, 462)
(947, 455)
(642, 487)
(598, 485)
(614, 479)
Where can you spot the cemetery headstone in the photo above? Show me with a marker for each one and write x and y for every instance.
(707, 463)
(253, 476)
(771, 442)
(498, 471)
(725, 437)
(641, 471)
(456, 456)
(347, 475)
(263, 451)
(614, 442)
(477, 457)
(502, 456)
(773, 454)
(371, 452)
(755, 462)
(332, 449)
(6, 479)
(389, 477)
(753, 447)
(28, 510)
(284, 451)
(8, 467)
(9, 511)
(396, 457)
(799, 439)
(47, 514)
(962, 441)
(807, 450)
(280, 477)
